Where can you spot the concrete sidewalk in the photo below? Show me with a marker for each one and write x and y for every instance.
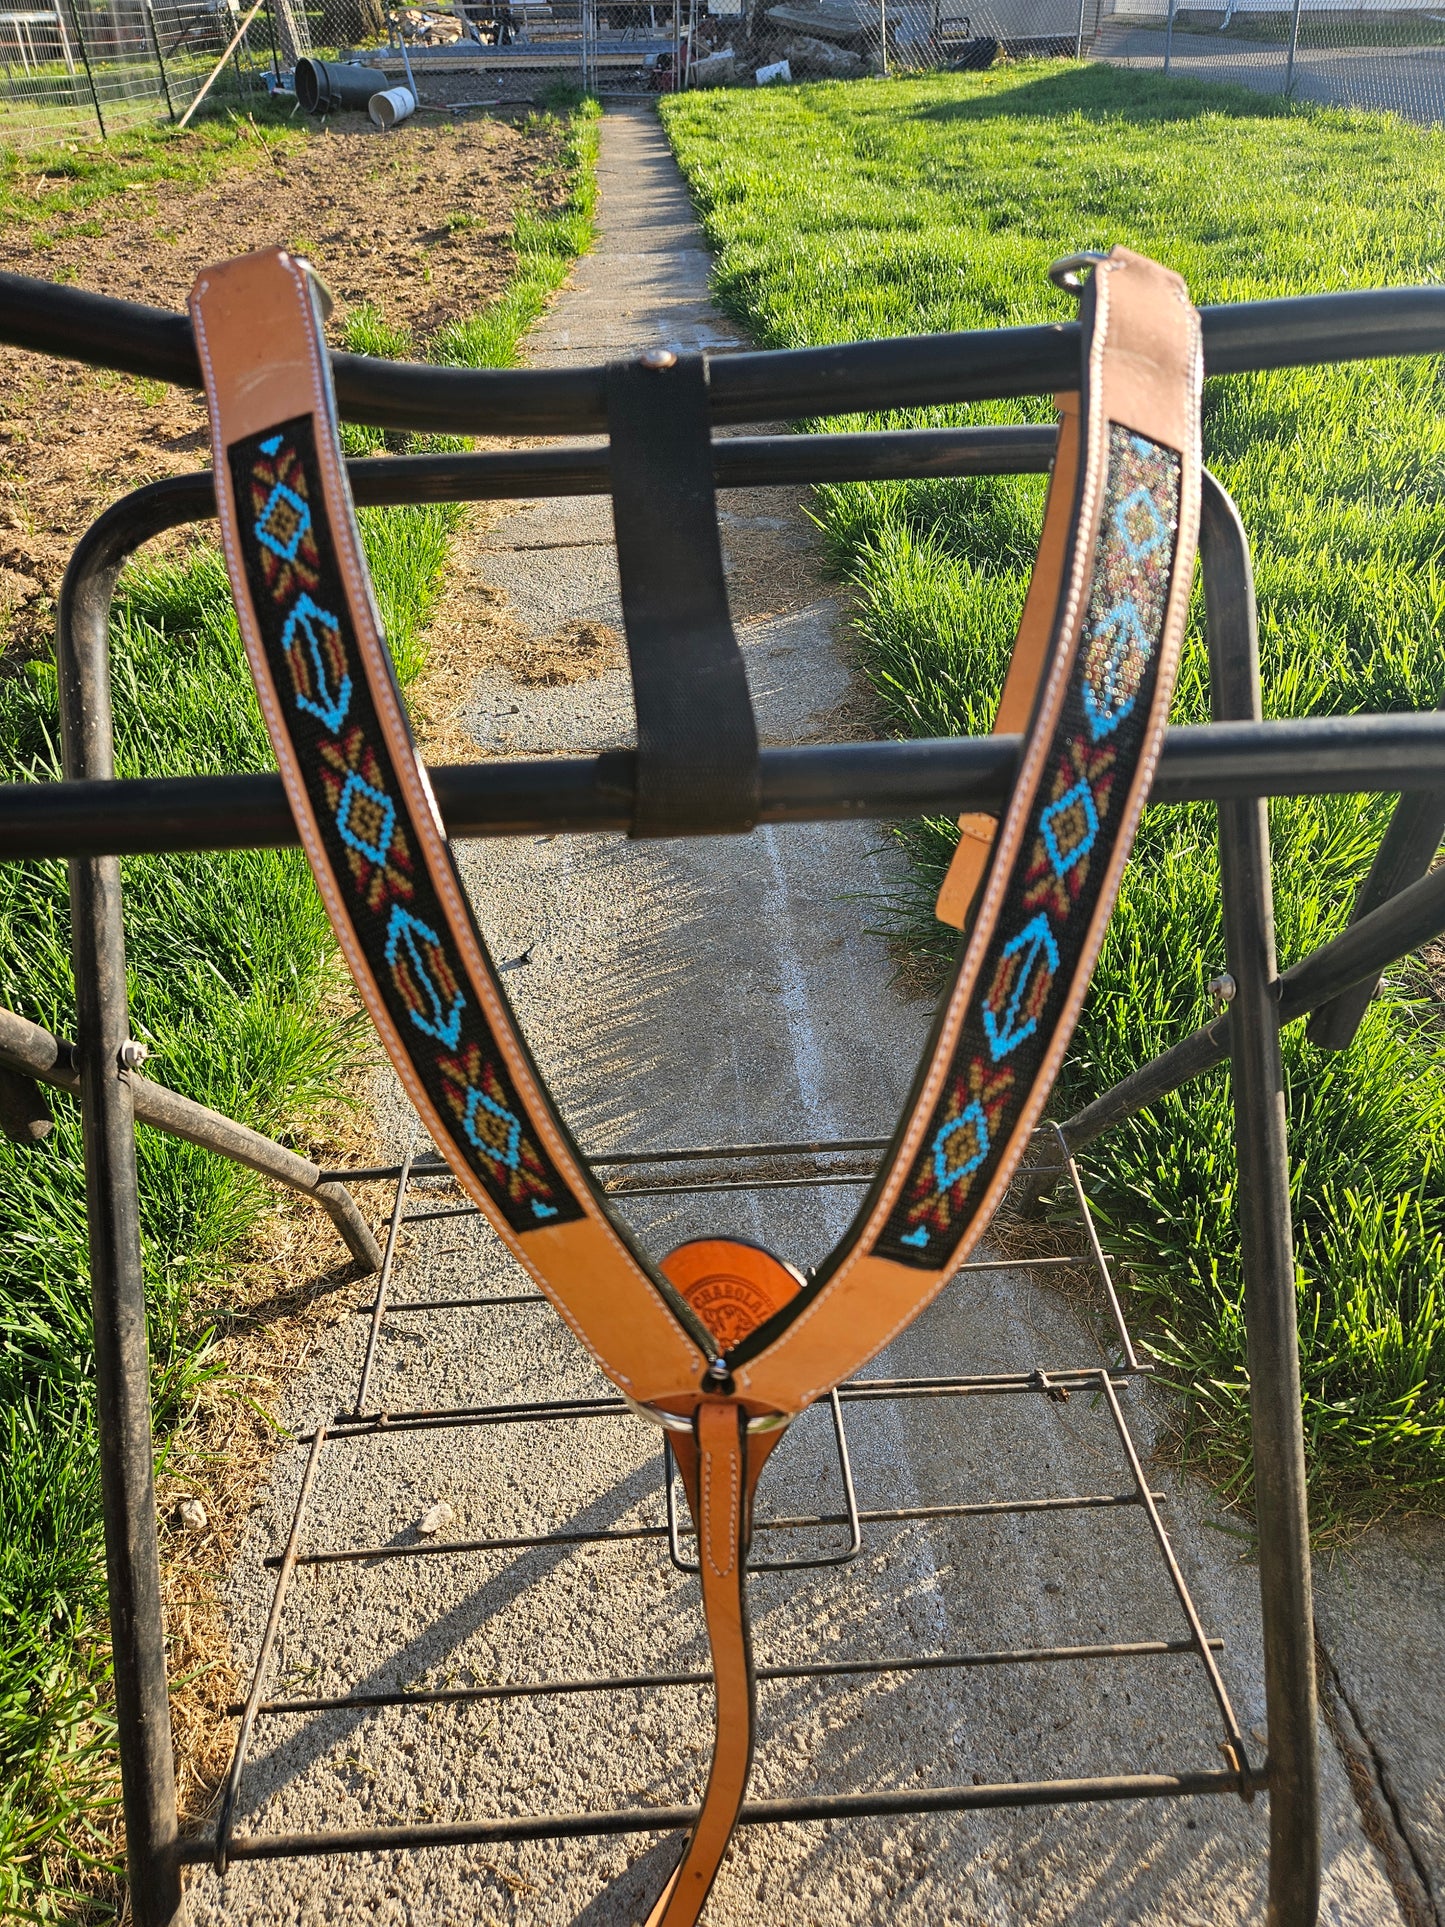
(703, 993)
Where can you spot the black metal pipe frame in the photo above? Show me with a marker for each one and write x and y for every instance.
(1242, 759)
(983, 1385)
(767, 1813)
(35, 1055)
(832, 782)
(1356, 956)
(848, 378)
(226, 1813)
(1267, 1248)
(807, 784)
(122, 1367)
(858, 1516)
(1407, 849)
(221, 1846)
(650, 1682)
(383, 1283)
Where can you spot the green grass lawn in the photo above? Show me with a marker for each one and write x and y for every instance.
(231, 959)
(840, 212)
(81, 175)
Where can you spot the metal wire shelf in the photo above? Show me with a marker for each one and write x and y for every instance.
(222, 1844)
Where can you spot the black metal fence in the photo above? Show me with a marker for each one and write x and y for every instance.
(1237, 760)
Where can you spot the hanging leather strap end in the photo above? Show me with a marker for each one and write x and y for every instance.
(720, 1466)
(966, 871)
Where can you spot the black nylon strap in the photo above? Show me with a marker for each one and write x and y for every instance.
(697, 741)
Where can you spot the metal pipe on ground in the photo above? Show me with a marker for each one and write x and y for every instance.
(32, 1055)
(327, 86)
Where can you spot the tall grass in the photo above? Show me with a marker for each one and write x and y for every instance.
(897, 207)
(231, 959)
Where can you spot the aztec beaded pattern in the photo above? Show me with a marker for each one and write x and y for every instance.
(1063, 858)
(360, 808)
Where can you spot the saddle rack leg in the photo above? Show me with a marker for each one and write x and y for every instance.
(117, 1283)
(1267, 1240)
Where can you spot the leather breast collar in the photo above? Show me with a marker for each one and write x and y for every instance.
(722, 1343)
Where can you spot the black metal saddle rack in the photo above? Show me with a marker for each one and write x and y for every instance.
(92, 819)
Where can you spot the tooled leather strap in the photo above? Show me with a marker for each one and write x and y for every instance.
(372, 834)
(1026, 666)
(1097, 658)
(1115, 566)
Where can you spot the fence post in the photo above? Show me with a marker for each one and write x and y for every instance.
(117, 1281)
(85, 60)
(150, 16)
(1169, 38)
(1293, 47)
(1267, 1245)
(1079, 36)
(236, 55)
(64, 39)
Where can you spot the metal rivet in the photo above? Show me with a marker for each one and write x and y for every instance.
(658, 358)
(1221, 990)
(718, 1368)
(133, 1055)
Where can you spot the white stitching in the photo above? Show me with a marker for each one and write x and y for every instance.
(436, 853)
(395, 728)
(705, 1495)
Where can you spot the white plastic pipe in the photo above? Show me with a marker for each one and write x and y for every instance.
(388, 108)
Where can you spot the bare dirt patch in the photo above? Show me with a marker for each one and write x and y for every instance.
(474, 632)
(417, 222)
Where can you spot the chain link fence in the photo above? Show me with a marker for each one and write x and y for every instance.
(1381, 57)
(73, 65)
(81, 66)
(1377, 56)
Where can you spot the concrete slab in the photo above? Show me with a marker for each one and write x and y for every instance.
(696, 993)
(1380, 1610)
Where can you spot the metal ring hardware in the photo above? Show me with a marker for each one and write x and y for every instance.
(1068, 273)
(675, 1422)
